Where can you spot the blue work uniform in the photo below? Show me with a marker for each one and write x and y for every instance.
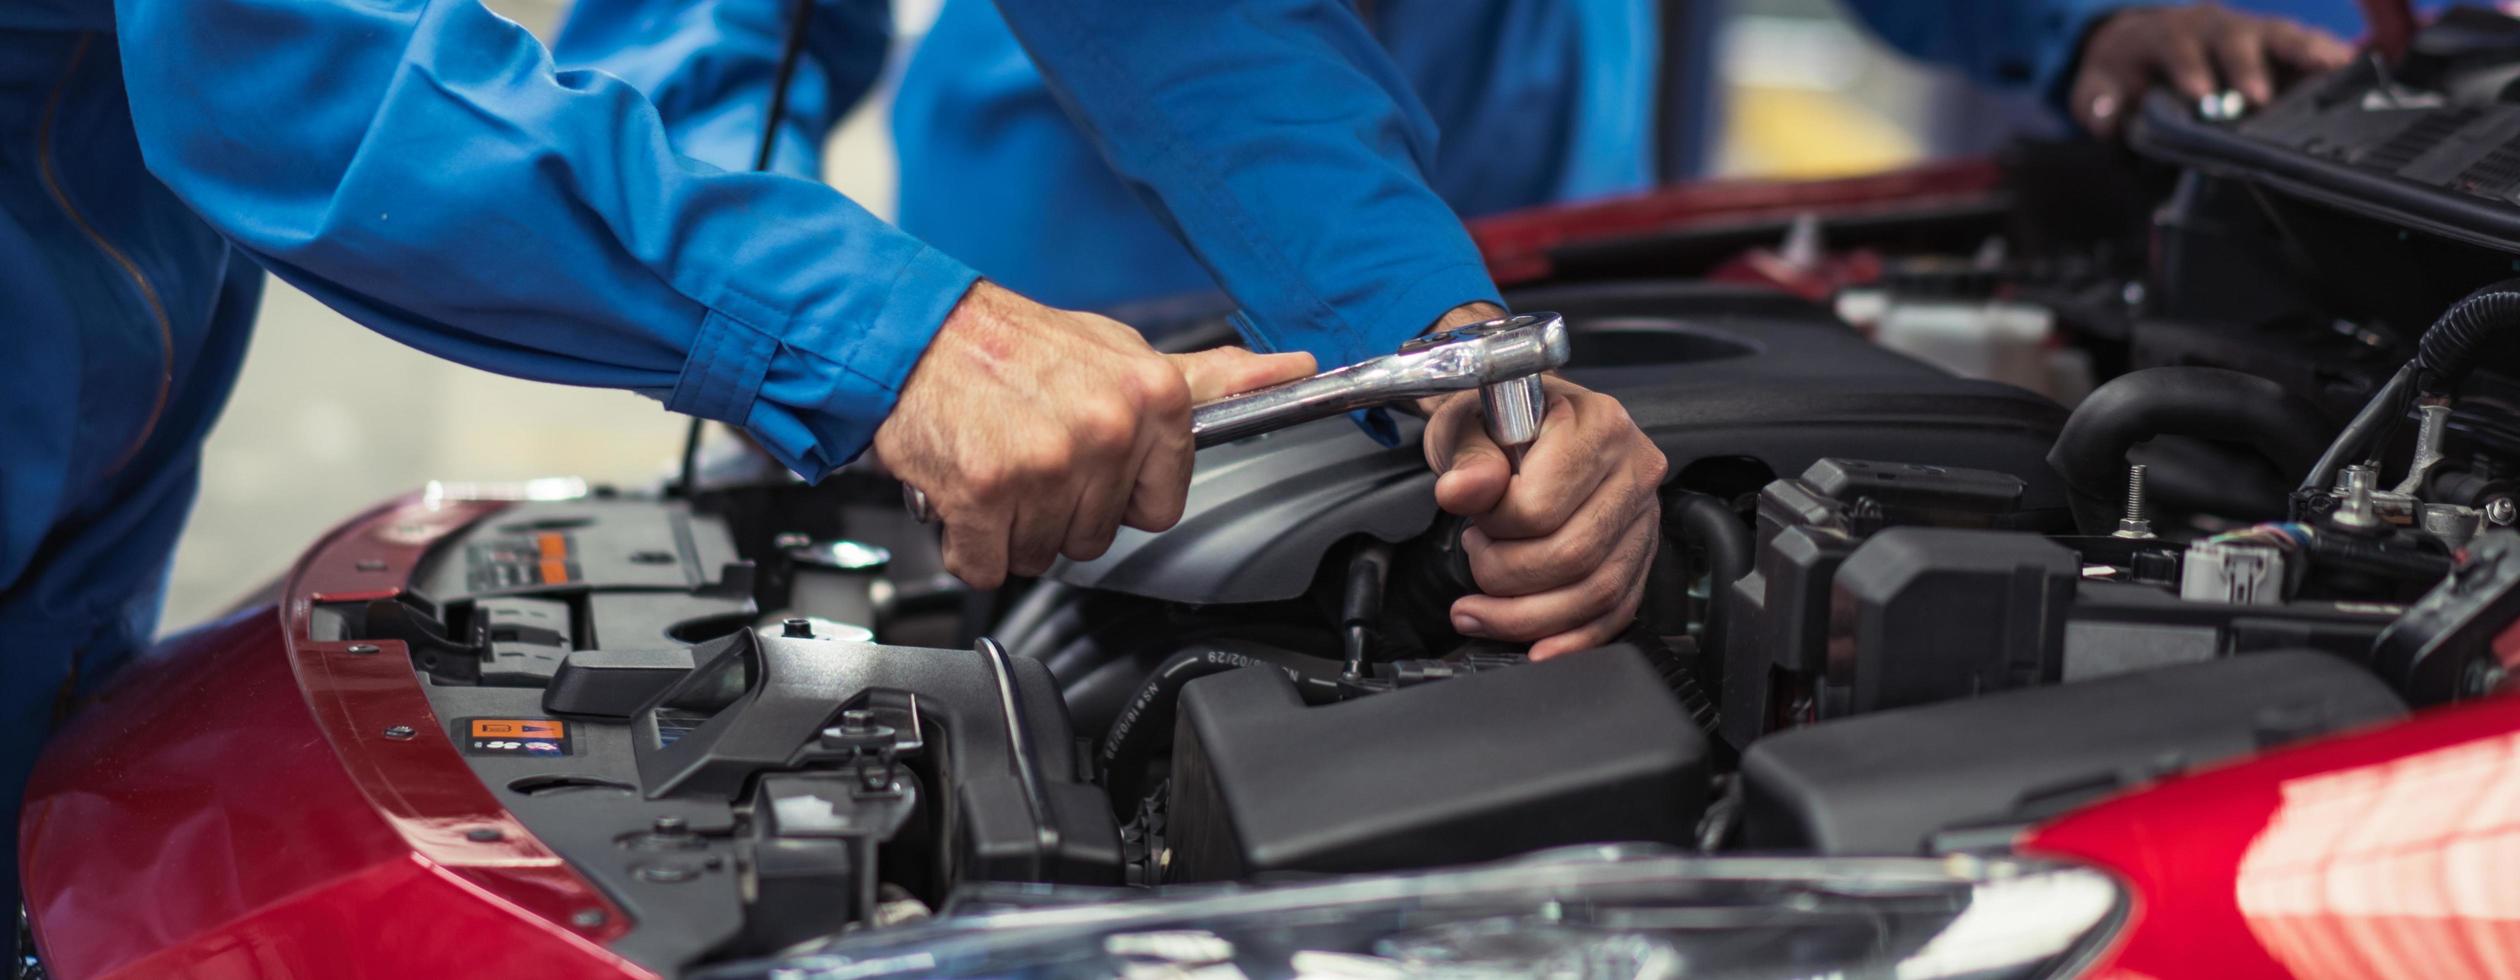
(1537, 102)
(426, 168)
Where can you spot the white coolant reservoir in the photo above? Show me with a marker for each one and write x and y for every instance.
(1993, 340)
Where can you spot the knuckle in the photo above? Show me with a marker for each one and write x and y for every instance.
(1105, 423)
(1158, 386)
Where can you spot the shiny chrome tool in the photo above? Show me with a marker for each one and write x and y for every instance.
(1502, 358)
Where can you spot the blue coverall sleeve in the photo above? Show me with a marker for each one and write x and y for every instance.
(2026, 44)
(1279, 141)
(421, 166)
(708, 67)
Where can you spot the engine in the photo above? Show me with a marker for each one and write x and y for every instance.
(1984, 504)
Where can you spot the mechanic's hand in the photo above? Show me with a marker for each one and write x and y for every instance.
(2198, 50)
(1037, 432)
(1559, 549)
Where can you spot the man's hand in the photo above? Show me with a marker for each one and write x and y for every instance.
(1037, 432)
(1560, 548)
(2198, 50)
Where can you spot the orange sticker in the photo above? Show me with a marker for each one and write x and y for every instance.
(551, 728)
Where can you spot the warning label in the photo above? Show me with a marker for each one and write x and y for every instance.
(513, 736)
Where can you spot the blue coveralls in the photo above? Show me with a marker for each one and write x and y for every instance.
(1538, 101)
(421, 166)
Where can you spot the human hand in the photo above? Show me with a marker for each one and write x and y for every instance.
(1036, 432)
(2198, 50)
(1559, 550)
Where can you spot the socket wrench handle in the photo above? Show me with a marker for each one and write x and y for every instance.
(1503, 357)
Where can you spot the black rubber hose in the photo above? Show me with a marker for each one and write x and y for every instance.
(2207, 403)
(2451, 346)
(1697, 519)
(1145, 726)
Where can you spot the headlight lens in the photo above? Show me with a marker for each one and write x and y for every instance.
(1595, 912)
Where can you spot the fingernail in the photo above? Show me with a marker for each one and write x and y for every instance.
(1467, 625)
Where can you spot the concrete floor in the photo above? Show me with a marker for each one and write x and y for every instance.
(330, 418)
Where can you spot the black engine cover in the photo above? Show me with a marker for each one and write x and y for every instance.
(1708, 371)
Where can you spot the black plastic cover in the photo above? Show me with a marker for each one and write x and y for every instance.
(1590, 747)
(1939, 613)
(1888, 783)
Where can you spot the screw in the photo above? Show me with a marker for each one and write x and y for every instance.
(857, 719)
(484, 835)
(799, 626)
(2134, 524)
(371, 564)
(669, 874)
(2501, 511)
(360, 649)
(587, 918)
(400, 732)
(671, 826)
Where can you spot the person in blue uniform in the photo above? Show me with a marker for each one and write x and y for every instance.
(1536, 102)
(431, 171)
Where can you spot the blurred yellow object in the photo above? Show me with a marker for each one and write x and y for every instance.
(1783, 132)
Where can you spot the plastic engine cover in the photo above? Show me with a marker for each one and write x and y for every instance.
(1587, 748)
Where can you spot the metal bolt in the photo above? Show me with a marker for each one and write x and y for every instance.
(371, 564)
(669, 874)
(2354, 486)
(2501, 511)
(587, 918)
(857, 719)
(2134, 524)
(400, 732)
(799, 626)
(670, 826)
(484, 835)
(361, 649)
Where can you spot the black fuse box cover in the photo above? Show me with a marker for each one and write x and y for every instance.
(1888, 783)
(1590, 747)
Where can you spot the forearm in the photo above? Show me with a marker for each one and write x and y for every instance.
(423, 169)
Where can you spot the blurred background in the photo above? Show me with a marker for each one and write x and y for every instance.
(1804, 91)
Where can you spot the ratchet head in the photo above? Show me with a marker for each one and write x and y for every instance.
(1508, 356)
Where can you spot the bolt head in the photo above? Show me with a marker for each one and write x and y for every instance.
(361, 649)
(798, 627)
(484, 835)
(587, 918)
(371, 564)
(670, 825)
(2502, 511)
(400, 732)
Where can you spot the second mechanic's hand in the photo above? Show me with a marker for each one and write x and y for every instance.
(2195, 49)
(1558, 549)
(1037, 432)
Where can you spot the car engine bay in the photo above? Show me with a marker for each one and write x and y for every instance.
(1983, 506)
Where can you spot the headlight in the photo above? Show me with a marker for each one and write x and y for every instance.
(1594, 912)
